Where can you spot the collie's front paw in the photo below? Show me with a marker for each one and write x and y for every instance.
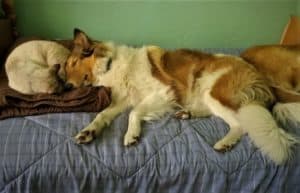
(85, 136)
(131, 138)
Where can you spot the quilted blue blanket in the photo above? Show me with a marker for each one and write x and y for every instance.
(38, 154)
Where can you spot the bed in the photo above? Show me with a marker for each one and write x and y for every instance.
(38, 154)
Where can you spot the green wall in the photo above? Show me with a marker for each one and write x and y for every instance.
(170, 24)
(298, 7)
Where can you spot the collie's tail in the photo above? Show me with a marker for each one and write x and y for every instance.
(263, 130)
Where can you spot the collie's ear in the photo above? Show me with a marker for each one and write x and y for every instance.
(81, 39)
(77, 31)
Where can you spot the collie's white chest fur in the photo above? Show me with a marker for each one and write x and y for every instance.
(130, 77)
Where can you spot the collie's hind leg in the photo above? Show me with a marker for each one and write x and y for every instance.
(229, 140)
(182, 114)
(150, 108)
(235, 131)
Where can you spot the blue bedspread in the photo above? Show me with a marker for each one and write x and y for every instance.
(38, 154)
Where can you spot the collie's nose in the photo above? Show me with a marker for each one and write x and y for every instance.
(68, 86)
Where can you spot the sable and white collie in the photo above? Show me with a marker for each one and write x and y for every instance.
(153, 81)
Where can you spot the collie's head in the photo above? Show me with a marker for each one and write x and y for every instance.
(87, 60)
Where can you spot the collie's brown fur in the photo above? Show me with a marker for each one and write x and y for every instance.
(176, 68)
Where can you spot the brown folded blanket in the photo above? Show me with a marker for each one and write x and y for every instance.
(87, 99)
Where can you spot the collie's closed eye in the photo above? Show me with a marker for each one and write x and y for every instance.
(87, 52)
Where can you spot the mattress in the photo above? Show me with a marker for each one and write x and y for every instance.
(39, 154)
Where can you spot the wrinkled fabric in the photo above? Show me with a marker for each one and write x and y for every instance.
(38, 154)
(86, 99)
